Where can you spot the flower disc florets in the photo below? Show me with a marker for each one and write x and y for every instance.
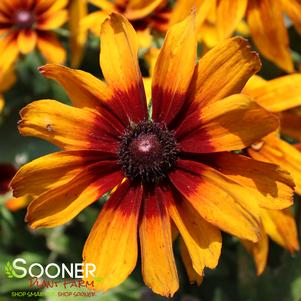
(25, 19)
(148, 151)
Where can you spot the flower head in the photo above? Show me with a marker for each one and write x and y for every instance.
(174, 167)
(143, 15)
(25, 24)
(220, 19)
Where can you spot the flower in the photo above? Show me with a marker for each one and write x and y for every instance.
(278, 96)
(25, 24)
(220, 19)
(144, 16)
(170, 168)
(7, 80)
(77, 11)
(7, 172)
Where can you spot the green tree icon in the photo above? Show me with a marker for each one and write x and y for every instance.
(10, 272)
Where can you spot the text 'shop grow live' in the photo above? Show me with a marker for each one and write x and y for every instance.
(150, 150)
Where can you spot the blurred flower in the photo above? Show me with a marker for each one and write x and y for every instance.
(220, 19)
(172, 167)
(277, 95)
(78, 37)
(7, 172)
(7, 80)
(144, 16)
(25, 24)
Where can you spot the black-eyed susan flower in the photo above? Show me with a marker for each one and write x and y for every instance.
(144, 16)
(265, 18)
(27, 24)
(278, 96)
(161, 169)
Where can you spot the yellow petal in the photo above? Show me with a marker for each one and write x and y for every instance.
(218, 199)
(61, 204)
(203, 240)
(268, 29)
(281, 227)
(225, 125)
(138, 9)
(51, 48)
(158, 263)
(229, 14)
(53, 20)
(259, 251)
(114, 236)
(291, 125)
(193, 276)
(223, 71)
(62, 125)
(270, 185)
(27, 40)
(277, 95)
(119, 64)
(276, 150)
(172, 79)
(84, 89)
(293, 9)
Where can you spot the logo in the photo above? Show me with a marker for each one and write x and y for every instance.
(19, 268)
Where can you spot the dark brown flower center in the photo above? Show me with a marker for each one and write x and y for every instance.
(148, 152)
(25, 19)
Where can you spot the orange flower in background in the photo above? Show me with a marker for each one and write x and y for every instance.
(219, 19)
(7, 172)
(7, 80)
(27, 24)
(144, 16)
(278, 96)
(170, 168)
(78, 37)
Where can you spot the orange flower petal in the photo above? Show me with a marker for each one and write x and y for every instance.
(171, 79)
(193, 276)
(158, 264)
(281, 227)
(278, 151)
(218, 199)
(225, 125)
(203, 240)
(119, 64)
(228, 15)
(268, 29)
(112, 243)
(62, 125)
(93, 22)
(53, 170)
(291, 125)
(259, 251)
(77, 11)
(86, 91)
(26, 40)
(270, 185)
(15, 204)
(50, 5)
(52, 20)
(293, 9)
(223, 71)
(276, 95)
(51, 48)
(9, 52)
(139, 9)
(183, 8)
(61, 204)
